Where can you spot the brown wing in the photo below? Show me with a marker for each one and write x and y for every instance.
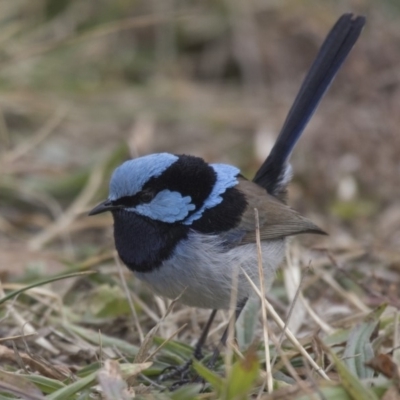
(276, 219)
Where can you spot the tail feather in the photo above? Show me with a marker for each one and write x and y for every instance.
(275, 173)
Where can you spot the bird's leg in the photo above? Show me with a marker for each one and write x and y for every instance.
(197, 354)
(239, 308)
(211, 363)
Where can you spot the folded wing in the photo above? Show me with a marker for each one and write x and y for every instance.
(276, 219)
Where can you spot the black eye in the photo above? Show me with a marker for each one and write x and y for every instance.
(146, 196)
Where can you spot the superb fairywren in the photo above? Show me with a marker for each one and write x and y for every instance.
(186, 227)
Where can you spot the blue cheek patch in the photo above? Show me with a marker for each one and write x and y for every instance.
(129, 178)
(226, 178)
(167, 206)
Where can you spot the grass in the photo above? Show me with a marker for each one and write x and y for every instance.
(83, 87)
(79, 343)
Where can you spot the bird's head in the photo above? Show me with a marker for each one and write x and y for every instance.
(168, 188)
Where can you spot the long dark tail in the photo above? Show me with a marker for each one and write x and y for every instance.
(275, 173)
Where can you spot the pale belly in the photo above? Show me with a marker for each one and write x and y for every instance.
(204, 276)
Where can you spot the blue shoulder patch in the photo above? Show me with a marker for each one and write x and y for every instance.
(167, 206)
(129, 178)
(226, 178)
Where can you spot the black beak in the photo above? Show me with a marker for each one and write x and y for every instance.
(103, 207)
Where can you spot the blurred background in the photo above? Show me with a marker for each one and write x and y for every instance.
(87, 84)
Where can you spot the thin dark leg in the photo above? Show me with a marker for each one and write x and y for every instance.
(197, 354)
(239, 308)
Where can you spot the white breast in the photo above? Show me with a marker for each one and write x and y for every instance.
(204, 273)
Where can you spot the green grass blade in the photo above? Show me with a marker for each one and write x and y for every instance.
(242, 376)
(72, 389)
(43, 282)
(93, 337)
(211, 377)
(46, 385)
(351, 383)
(359, 347)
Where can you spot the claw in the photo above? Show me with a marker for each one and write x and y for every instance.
(182, 371)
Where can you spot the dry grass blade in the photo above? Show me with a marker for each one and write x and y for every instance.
(321, 323)
(352, 298)
(17, 337)
(27, 327)
(294, 286)
(111, 381)
(288, 334)
(292, 371)
(146, 309)
(293, 280)
(148, 340)
(141, 137)
(4, 133)
(229, 348)
(146, 345)
(128, 296)
(96, 33)
(164, 342)
(396, 338)
(270, 383)
(21, 321)
(59, 373)
(81, 203)
(48, 128)
(17, 391)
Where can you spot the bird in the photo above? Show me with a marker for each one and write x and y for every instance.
(186, 227)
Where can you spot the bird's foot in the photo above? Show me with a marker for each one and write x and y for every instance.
(181, 372)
